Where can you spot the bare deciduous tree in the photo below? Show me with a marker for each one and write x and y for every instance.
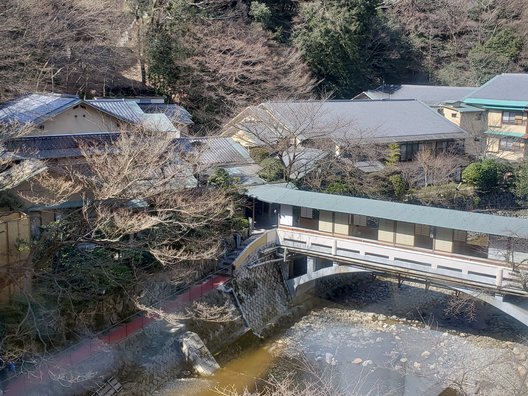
(134, 196)
(15, 168)
(133, 208)
(52, 44)
(430, 168)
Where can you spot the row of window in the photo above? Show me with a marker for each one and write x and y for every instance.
(513, 117)
(409, 150)
(373, 222)
(509, 144)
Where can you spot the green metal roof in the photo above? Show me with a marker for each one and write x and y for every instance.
(446, 218)
(462, 107)
(498, 104)
(520, 135)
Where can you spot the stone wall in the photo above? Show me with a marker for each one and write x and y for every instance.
(262, 293)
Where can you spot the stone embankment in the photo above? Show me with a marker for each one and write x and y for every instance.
(262, 294)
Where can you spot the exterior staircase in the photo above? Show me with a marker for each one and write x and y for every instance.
(226, 264)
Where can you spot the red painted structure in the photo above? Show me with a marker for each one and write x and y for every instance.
(78, 353)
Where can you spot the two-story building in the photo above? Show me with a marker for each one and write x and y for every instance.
(505, 100)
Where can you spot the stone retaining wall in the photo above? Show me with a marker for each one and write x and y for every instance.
(262, 294)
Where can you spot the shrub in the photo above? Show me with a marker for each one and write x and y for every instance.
(220, 178)
(259, 154)
(393, 155)
(272, 170)
(260, 13)
(520, 188)
(398, 184)
(486, 175)
(338, 188)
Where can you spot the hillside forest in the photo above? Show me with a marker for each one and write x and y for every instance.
(216, 56)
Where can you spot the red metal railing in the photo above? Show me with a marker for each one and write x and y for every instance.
(30, 380)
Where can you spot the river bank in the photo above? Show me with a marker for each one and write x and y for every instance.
(372, 337)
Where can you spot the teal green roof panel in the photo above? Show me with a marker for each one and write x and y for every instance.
(498, 104)
(507, 134)
(438, 217)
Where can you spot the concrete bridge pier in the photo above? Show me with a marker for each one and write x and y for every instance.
(308, 269)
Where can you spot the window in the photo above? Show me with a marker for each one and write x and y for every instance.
(512, 117)
(441, 146)
(358, 220)
(453, 115)
(408, 150)
(459, 236)
(373, 222)
(422, 229)
(508, 144)
(307, 213)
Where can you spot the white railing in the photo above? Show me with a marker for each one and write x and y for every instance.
(396, 259)
(268, 238)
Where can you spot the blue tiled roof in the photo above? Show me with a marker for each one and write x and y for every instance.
(126, 110)
(173, 111)
(57, 146)
(432, 95)
(36, 108)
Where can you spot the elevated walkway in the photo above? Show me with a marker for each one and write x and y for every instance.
(490, 281)
(449, 270)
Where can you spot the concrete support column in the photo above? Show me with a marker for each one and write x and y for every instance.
(498, 278)
(285, 267)
(310, 264)
(334, 247)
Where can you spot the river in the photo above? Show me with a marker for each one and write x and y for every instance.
(373, 338)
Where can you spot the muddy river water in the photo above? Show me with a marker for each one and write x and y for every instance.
(373, 338)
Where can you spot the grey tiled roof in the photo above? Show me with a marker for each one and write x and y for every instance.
(216, 150)
(381, 121)
(305, 159)
(126, 110)
(223, 152)
(173, 111)
(431, 95)
(158, 122)
(508, 86)
(129, 111)
(36, 107)
(247, 175)
(447, 218)
(57, 146)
